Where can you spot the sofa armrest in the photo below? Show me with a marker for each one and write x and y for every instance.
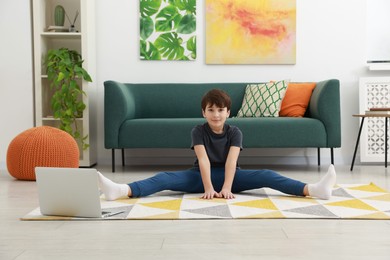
(119, 105)
(325, 106)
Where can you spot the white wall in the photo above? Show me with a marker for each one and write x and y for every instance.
(331, 43)
(378, 36)
(16, 82)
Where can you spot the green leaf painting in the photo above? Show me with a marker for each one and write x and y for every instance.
(168, 30)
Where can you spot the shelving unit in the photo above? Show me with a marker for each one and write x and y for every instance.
(83, 40)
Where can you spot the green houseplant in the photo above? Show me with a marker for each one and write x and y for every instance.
(65, 71)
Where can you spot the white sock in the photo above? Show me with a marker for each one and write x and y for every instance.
(323, 188)
(112, 190)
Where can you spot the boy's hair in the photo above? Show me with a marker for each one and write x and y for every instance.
(216, 97)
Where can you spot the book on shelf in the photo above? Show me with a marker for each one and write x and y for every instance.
(378, 112)
(380, 109)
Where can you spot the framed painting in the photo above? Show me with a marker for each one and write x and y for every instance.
(167, 29)
(250, 31)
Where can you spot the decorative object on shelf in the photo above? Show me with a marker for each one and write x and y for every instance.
(167, 30)
(59, 20)
(53, 28)
(41, 146)
(72, 28)
(378, 111)
(64, 70)
(59, 15)
(250, 32)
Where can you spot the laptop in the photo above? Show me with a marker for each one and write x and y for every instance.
(70, 192)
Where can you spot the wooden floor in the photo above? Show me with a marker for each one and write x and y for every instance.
(191, 239)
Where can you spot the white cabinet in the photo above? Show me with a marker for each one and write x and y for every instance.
(82, 40)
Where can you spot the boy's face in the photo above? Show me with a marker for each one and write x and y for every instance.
(216, 117)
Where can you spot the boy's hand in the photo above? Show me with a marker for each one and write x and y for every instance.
(225, 193)
(210, 194)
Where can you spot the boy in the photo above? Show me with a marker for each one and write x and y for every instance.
(216, 173)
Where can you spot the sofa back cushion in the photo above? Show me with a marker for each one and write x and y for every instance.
(179, 100)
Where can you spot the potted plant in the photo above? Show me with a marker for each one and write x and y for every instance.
(65, 71)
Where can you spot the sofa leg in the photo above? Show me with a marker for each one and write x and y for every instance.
(123, 157)
(113, 159)
(331, 156)
(318, 156)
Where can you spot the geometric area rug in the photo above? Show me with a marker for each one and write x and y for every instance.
(348, 201)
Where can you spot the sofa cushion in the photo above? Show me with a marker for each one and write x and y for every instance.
(263, 100)
(281, 132)
(297, 99)
(158, 132)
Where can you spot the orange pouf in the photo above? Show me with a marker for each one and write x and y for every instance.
(41, 146)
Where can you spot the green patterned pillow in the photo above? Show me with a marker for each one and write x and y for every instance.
(264, 99)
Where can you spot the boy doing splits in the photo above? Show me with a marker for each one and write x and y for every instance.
(216, 173)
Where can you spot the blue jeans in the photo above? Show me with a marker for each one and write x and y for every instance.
(190, 181)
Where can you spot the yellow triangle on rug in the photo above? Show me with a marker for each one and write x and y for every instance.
(170, 215)
(262, 203)
(274, 214)
(169, 204)
(369, 187)
(376, 215)
(384, 197)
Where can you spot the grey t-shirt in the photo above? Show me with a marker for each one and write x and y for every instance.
(217, 145)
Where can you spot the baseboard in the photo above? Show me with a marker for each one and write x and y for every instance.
(244, 160)
(271, 156)
(3, 166)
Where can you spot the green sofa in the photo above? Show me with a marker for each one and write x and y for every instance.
(161, 115)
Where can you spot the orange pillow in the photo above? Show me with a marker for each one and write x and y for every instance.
(296, 99)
